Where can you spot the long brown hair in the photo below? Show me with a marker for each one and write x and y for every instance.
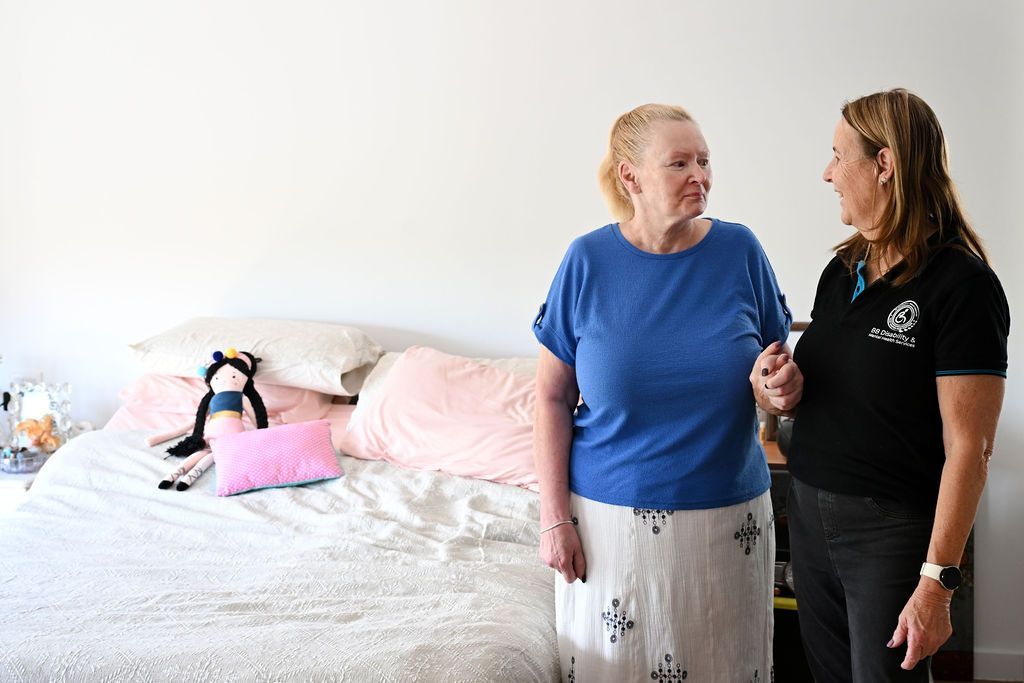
(627, 141)
(924, 198)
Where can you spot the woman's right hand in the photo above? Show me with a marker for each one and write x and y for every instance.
(558, 394)
(561, 550)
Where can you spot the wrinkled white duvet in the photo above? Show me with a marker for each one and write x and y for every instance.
(383, 575)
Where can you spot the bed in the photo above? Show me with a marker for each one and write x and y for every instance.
(386, 574)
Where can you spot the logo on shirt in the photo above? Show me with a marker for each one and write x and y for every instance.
(901, 320)
(904, 316)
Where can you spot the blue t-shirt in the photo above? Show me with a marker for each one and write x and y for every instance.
(662, 345)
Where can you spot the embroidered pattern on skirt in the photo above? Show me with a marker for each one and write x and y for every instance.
(615, 622)
(748, 533)
(667, 672)
(655, 516)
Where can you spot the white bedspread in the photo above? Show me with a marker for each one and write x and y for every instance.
(383, 575)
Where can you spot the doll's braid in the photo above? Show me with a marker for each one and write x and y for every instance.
(250, 392)
(195, 442)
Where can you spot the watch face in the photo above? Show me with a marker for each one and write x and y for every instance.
(950, 578)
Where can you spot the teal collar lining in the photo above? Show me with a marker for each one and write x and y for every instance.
(861, 285)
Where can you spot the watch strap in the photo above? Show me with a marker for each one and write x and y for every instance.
(932, 571)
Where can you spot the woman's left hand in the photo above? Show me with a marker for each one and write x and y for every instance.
(923, 624)
(777, 381)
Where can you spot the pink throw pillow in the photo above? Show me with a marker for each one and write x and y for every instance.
(435, 411)
(289, 455)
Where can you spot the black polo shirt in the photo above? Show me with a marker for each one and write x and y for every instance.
(869, 423)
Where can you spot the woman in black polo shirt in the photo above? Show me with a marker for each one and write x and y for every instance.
(904, 364)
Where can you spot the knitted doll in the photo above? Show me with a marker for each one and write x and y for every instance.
(220, 412)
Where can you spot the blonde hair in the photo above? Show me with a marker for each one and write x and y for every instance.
(627, 141)
(923, 197)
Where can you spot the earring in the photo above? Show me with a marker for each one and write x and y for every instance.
(881, 181)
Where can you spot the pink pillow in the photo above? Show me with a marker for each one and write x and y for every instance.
(440, 412)
(289, 455)
(339, 417)
(168, 393)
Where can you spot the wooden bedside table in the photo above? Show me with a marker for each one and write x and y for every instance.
(13, 488)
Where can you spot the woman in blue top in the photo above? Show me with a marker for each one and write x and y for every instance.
(654, 487)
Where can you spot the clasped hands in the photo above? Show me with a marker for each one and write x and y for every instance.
(777, 381)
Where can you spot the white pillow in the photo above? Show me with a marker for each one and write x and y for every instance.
(521, 366)
(324, 357)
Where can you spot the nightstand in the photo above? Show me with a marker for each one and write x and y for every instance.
(13, 488)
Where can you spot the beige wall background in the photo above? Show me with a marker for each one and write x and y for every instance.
(417, 169)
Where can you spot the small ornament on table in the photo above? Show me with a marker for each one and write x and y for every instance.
(41, 434)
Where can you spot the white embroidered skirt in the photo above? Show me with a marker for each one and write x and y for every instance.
(671, 595)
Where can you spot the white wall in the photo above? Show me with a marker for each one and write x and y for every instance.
(417, 169)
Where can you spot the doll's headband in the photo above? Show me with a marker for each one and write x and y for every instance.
(230, 352)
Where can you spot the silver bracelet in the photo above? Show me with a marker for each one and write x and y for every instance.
(572, 521)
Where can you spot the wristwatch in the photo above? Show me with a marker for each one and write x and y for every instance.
(949, 577)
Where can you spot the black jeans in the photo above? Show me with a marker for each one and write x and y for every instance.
(856, 561)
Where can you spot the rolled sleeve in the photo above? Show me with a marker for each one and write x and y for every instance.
(554, 326)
